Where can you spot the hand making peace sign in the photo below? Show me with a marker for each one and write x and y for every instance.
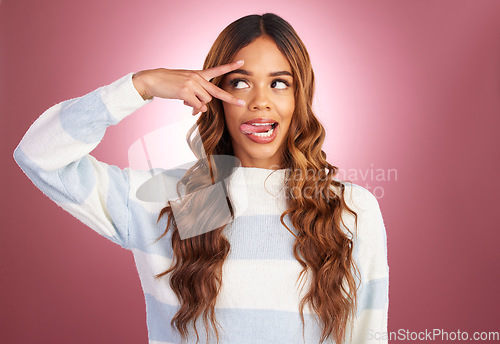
(191, 86)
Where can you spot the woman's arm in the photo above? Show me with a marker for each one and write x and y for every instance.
(55, 151)
(54, 154)
(371, 257)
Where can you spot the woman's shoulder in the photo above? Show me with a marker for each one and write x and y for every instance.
(357, 197)
(370, 223)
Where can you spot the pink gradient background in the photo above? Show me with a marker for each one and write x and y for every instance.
(406, 85)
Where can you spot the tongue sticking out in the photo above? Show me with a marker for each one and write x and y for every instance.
(250, 129)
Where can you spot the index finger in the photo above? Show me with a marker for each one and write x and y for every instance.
(211, 73)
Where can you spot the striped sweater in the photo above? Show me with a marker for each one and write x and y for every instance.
(260, 294)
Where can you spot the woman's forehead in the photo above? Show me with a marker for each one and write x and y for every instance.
(263, 57)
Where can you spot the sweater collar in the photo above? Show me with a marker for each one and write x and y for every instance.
(257, 175)
(256, 184)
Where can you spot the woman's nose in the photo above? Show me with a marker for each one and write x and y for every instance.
(260, 99)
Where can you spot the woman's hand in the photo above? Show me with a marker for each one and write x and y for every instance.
(191, 86)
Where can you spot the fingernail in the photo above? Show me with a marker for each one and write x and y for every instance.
(241, 102)
(239, 61)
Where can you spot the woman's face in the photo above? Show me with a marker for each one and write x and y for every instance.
(258, 130)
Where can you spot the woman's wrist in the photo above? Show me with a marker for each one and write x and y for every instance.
(140, 81)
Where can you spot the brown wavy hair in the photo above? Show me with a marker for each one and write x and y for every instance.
(323, 244)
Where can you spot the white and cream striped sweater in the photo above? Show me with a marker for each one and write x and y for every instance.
(259, 298)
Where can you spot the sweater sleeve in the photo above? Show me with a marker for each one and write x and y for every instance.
(54, 155)
(370, 250)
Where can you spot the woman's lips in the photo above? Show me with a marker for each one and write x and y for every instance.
(260, 133)
(255, 128)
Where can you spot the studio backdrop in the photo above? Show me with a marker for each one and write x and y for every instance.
(409, 94)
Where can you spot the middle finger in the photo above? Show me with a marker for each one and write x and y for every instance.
(219, 93)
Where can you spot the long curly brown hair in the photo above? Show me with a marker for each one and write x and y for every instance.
(323, 245)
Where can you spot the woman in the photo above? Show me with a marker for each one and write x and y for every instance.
(288, 217)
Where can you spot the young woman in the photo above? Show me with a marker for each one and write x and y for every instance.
(289, 218)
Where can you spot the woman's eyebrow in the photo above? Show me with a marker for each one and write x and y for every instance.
(245, 72)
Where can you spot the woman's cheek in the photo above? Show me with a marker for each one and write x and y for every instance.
(287, 107)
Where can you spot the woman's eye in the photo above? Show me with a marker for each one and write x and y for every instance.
(280, 84)
(242, 84)
(237, 82)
